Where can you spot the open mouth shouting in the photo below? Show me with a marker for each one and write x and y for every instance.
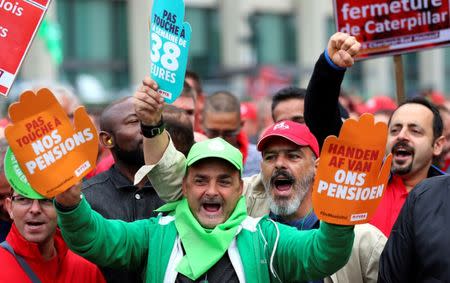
(212, 208)
(34, 226)
(282, 183)
(402, 153)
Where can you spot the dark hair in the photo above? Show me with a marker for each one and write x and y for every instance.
(194, 76)
(179, 126)
(290, 92)
(438, 125)
(188, 91)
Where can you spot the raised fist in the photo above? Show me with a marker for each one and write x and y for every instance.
(342, 49)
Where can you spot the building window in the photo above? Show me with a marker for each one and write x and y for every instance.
(274, 38)
(204, 51)
(95, 42)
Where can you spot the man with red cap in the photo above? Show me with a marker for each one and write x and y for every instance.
(283, 188)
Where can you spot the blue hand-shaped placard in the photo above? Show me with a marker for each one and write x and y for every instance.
(170, 37)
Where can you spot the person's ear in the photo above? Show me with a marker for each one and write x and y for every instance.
(8, 206)
(438, 145)
(184, 185)
(316, 165)
(241, 186)
(106, 139)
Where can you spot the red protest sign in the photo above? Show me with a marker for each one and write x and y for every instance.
(19, 21)
(393, 27)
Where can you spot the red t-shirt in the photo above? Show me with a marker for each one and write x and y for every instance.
(390, 205)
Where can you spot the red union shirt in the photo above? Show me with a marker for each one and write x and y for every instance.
(390, 205)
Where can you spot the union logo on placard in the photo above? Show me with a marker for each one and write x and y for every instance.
(165, 94)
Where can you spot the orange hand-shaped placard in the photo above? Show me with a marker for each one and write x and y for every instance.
(53, 153)
(351, 176)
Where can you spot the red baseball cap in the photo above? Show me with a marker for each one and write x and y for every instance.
(293, 131)
(248, 111)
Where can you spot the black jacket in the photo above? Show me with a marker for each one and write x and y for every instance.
(115, 197)
(322, 115)
(418, 249)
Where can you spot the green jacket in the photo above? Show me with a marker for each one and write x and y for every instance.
(268, 251)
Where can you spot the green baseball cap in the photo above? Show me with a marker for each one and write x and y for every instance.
(16, 178)
(218, 148)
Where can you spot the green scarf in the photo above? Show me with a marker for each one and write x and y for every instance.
(204, 247)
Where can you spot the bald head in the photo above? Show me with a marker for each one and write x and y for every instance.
(221, 102)
(108, 117)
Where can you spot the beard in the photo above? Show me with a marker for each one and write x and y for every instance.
(134, 158)
(404, 168)
(285, 206)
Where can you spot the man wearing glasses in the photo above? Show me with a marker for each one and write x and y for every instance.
(221, 117)
(34, 250)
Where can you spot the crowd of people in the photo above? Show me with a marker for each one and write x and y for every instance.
(204, 191)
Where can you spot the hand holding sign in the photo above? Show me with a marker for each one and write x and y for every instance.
(53, 154)
(169, 45)
(148, 103)
(351, 178)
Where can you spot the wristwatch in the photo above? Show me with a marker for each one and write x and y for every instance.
(154, 130)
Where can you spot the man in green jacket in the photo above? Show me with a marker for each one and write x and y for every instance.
(207, 236)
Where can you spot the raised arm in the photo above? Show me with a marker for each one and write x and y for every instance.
(111, 243)
(313, 254)
(164, 164)
(321, 102)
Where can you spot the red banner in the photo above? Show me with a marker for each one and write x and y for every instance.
(19, 21)
(396, 26)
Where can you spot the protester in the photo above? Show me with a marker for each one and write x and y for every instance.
(187, 102)
(112, 193)
(177, 123)
(443, 160)
(288, 104)
(221, 117)
(194, 82)
(415, 128)
(34, 249)
(417, 249)
(211, 220)
(287, 194)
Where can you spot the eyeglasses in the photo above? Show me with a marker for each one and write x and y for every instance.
(23, 201)
(211, 133)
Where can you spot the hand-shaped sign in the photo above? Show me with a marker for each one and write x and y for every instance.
(350, 179)
(169, 45)
(53, 154)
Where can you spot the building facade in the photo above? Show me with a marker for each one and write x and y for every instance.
(106, 46)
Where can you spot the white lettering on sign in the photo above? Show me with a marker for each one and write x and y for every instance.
(340, 191)
(51, 148)
(358, 217)
(13, 8)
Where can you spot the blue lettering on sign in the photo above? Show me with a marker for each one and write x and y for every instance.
(170, 38)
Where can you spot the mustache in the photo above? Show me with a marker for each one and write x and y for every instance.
(281, 173)
(215, 199)
(404, 145)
